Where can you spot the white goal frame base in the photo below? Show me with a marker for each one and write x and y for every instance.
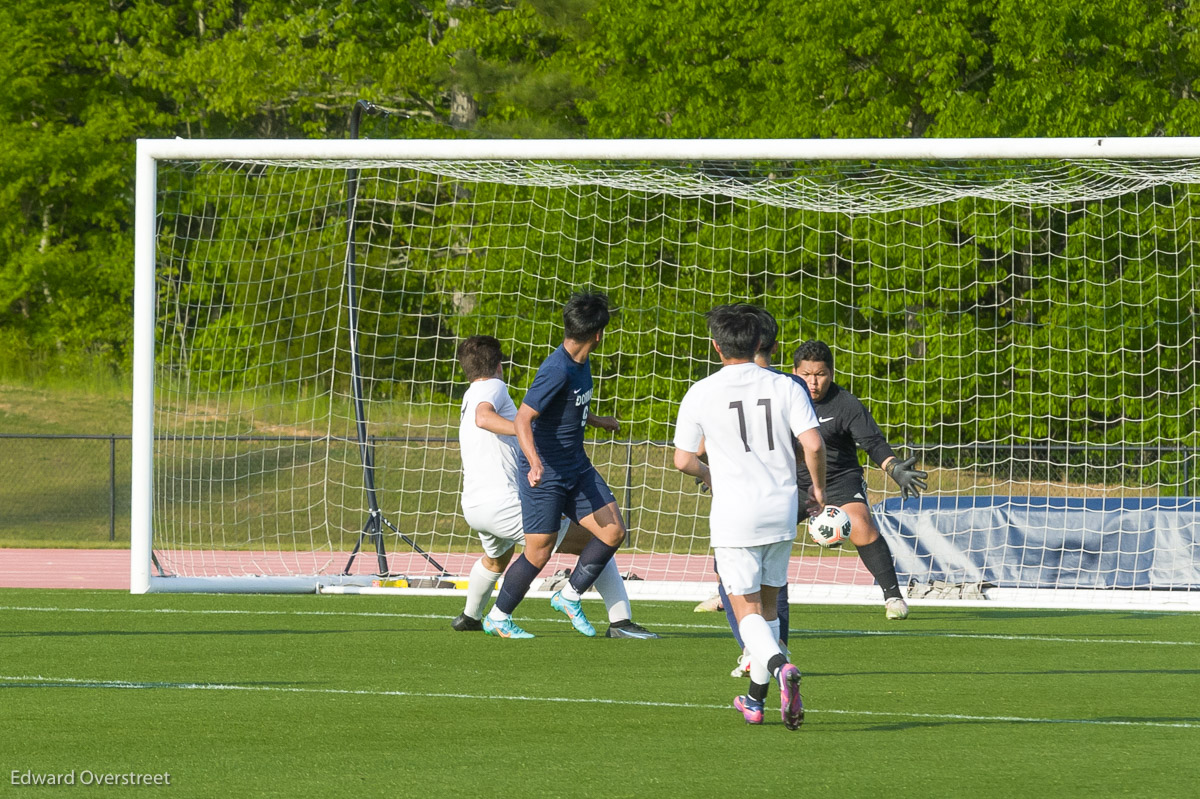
(650, 590)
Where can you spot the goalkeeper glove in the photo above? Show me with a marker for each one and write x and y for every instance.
(910, 480)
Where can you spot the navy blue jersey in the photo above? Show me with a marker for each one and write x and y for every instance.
(846, 425)
(560, 393)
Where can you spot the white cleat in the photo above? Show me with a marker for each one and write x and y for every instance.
(743, 666)
(895, 608)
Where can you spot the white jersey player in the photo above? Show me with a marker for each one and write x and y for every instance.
(489, 499)
(749, 420)
(490, 502)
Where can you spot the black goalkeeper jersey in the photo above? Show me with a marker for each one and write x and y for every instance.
(846, 425)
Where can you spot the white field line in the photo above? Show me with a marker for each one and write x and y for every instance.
(42, 682)
(560, 619)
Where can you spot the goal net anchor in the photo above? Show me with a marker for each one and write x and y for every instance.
(373, 528)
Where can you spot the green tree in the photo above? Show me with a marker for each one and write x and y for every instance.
(67, 124)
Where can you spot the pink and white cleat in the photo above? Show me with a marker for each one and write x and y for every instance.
(791, 706)
(752, 711)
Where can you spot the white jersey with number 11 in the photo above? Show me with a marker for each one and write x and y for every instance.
(748, 418)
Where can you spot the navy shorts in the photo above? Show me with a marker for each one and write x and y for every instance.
(543, 507)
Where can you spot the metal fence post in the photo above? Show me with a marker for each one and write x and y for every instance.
(112, 487)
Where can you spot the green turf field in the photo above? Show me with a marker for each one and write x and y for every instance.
(298, 696)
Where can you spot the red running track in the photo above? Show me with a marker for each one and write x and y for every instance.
(109, 568)
(64, 568)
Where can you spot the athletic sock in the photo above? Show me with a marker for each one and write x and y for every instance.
(759, 673)
(774, 625)
(595, 556)
(758, 691)
(480, 584)
(612, 591)
(762, 643)
(877, 557)
(517, 579)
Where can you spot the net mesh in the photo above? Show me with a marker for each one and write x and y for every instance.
(1028, 330)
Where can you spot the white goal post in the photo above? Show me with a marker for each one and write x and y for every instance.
(1021, 314)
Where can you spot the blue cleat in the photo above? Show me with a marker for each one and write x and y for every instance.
(504, 629)
(791, 706)
(574, 612)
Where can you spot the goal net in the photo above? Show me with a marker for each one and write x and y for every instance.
(1021, 316)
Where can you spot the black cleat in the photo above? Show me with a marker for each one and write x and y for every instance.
(628, 629)
(464, 623)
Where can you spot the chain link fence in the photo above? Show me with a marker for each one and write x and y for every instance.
(60, 490)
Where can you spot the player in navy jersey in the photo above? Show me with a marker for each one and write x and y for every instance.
(846, 425)
(491, 501)
(556, 478)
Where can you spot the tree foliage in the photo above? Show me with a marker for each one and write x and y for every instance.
(84, 80)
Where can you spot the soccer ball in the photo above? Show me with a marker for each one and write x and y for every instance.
(830, 528)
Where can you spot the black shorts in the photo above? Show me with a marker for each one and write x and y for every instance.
(844, 489)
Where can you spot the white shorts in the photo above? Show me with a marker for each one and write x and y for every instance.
(745, 570)
(500, 527)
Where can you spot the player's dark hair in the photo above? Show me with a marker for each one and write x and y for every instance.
(479, 356)
(585, 315)
(770, 332)
(813, 351)
(737, 330)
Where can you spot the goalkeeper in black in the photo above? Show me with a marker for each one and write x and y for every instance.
(846, 425)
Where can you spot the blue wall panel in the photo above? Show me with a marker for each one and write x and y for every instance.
(1040, 542)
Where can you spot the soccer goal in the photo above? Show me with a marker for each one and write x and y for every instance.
(1022, 315)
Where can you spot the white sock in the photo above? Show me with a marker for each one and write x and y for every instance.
(776, 626)
(612, 591)
(762, 643)
(568, 591)
(480, 584)
(495, 614)
(759, 672)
